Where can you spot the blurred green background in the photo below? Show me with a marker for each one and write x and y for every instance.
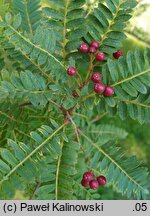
(138, 140)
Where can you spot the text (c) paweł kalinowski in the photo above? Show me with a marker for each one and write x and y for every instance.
(61, 207)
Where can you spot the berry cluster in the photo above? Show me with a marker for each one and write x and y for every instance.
(99, 87)
(96, 77)
(85, 48)
(89, 180)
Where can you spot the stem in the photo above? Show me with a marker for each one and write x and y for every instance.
(132, 77)
(132, 102)
(97, 63)
(32, 153)
(53, 102)
(57, 172)
(36, 187)
(111, 159)
(78, 139)
(36, 65)
(80, 115)
(97, 118)
(88, 96)
(36, 46)
(90, 69)
(65, 30)
(25, 104)
(27, 15)
(104, 36)
(11, 118)
(21, 132)
(78, 82)
(79, 78)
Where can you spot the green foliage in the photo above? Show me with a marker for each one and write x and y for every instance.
(67, 18)
(38, 48)
(107, 22)
(131, 79)
(27, 85)
(105, 133)
(3, 7)
(57, 179)
(25, 163)
(126, 175)
(48, 120)
(30, 13)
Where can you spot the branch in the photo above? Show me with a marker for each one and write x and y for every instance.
(35, 64)
(133, 102)
(130, 78)
(28, 17)
(97, 118)
(111, 159)
(65, 30)
(36, 187)
(78, 139)
(25, 104)
(32, 153)
(36, 46)
(11, 118)
(57, 172)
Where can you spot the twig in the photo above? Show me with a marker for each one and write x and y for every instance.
(78, 139)
(110, 158)
(88, 96)
(97, 63)
(53, 102)
(58, 171)
(80, 115)
(25, 104)
(90, 68)
(80, 78)
(97, 118)
(13, 170)
(37, 186)
(21, 132)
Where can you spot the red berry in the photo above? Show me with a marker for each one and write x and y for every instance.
(101, 180)
(118, 54)
(84, 183)
(92, 49)
(88, 176)
(84, 48)
(100, 56)
(109, 91)
(96, 77)
(99, 88)
(95, 44)
(71, 71)
(94, 184)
